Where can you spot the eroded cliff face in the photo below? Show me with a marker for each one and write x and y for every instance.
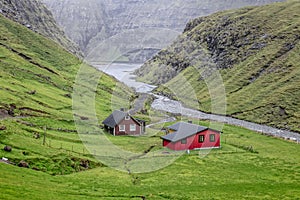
(81, 20)
(91, 22)
(34, 15)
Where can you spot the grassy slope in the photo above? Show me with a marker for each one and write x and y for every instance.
(40, 19)
(259, 47)
(29, 62)
(230, 173)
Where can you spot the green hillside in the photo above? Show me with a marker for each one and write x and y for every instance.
(36, 88)
(34, 15)
(255, 49)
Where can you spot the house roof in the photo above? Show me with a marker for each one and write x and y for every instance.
(183, 130)
(189, 127)
(115, 118)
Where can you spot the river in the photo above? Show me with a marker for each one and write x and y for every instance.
(123, 72)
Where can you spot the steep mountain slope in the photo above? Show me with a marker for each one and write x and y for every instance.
(36, 88)
(88, 23)
(82, 20)
(256, 51)
(35, 16)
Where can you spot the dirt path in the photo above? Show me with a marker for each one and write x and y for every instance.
(139, 103)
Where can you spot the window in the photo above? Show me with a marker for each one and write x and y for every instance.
(121, 127)
(212, 137)
(183, 141)
(127, 118)
(132, 127)
(201, 138)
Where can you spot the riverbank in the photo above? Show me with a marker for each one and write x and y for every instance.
(123, 72)
(165, 104)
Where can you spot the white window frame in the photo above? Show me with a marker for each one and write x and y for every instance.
(132, 127)
(201, 137)
(122, 128)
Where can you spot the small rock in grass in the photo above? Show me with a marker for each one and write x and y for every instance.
(4, 159)
(7, 148)
(84, 118)
(24, 164)
(36, 169)
(36, 136)
(2, 128)
(68, 95)
(32, 92)
(84, 163)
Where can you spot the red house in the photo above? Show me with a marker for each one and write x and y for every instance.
(184, 136)
(121, 123)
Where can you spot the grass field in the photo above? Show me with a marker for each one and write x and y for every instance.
(271, 171)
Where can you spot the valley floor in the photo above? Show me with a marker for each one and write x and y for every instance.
(248, 166)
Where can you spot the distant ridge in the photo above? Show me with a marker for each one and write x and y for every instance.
(91, 22)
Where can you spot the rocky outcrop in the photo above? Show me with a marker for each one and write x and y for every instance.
(89, 23)
(218, 40)
(35, 16)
